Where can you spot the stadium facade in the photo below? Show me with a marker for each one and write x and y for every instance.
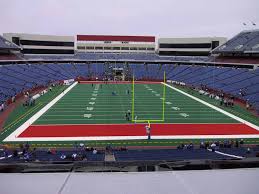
(42, 44)
(201, 46)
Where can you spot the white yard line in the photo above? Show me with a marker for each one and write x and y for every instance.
(13, 136)
(214, 107)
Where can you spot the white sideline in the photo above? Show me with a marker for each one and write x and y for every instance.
(169, 137)
(215, 108)
(13, 136)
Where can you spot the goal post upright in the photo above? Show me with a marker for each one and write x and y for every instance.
(163, 117)
(133, 99)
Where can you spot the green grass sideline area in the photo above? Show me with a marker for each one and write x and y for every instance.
(22, 114)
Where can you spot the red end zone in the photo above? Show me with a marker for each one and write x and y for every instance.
(99, 130)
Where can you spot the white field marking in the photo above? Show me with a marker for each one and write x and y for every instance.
(225, 154)
(97, 87)
(24, 139)
(153, 91)
(157, 94)
(89, 108)
(95, 91)
(88, 115)
(94, 94)
(168, 103)
(36, 116)
(92, 103)
(184, 115)
(161, 98)
(92, 98)
(150, 89)
(177, 108)
(215, 108)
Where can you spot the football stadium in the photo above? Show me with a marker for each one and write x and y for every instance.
(129, 103)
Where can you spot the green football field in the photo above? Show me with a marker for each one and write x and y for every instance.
(82, 106)
(96, 111)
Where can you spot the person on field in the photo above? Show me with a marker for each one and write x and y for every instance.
(148, 131)
(126, 116)
(129, 113)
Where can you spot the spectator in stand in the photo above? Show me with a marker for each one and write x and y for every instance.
(95, 151)
(13, 99)
(221, 101)
(213, 147)
(237, 144)
(15, 153)
(2, 107)
(241, 142)
(225, 102)
(74, 156)
(247, 105)
(190, 146)
(202, 145)
(63, 157)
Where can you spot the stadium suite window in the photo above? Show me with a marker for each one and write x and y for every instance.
(46, 43)
(142, 49)
(89, 48)
(107, 42)
(125, 42)
(125, 48)
(133, 48)
(47, 51)
(190, 45)
(116, 48)
(99, 48)
(16, 40)
(81, 47)
(150, 49)
(107, 48)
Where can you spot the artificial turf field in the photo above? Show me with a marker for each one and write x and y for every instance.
(96, 111)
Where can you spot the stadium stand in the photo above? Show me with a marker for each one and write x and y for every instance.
(16, 78)
(114, 56)
(220, 152)
(244, 42)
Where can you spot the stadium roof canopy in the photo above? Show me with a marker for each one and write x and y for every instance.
(246, 42)
(7, 45)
